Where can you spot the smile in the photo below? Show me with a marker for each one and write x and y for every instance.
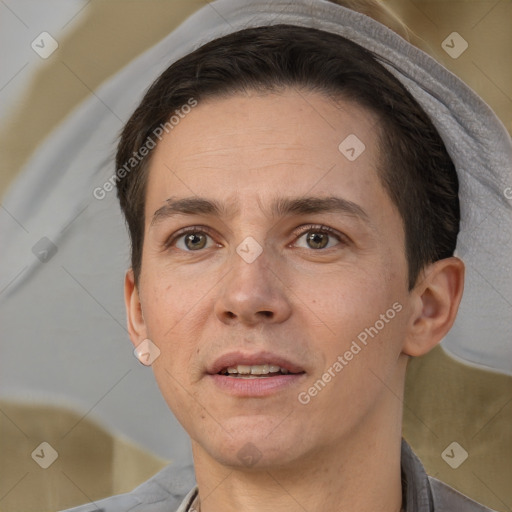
(245, 371)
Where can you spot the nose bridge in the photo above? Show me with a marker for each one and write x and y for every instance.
(251, 267)
(252, 236)
(252, 290)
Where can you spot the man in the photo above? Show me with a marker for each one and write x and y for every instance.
(293, 233)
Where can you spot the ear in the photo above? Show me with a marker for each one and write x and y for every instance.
(435, 301)
(135, 319)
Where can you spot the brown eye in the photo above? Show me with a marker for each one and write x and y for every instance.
(318, 237)
(195, 241)
(190, 239)
(317, 240)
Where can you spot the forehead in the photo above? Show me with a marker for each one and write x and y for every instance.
(262, 163)
(293, 141)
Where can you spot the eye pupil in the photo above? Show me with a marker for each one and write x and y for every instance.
(191, 237)
(314, 239)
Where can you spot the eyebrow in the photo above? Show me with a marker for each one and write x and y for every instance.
(280, 207)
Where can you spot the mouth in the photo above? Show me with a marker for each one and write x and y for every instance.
(255, 371)
(254, 375)
(257, 365)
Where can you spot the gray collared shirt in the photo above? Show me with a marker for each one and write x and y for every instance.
(174, 489)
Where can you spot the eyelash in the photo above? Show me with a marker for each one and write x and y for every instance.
(317, 228)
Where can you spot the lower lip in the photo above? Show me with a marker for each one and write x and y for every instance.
(257, 387)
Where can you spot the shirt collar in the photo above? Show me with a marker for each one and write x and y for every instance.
(417, 495)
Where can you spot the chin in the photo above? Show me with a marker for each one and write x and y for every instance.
(251, 456)
(256, 444)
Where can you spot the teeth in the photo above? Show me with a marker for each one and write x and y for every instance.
(243, 369)
(255, 369)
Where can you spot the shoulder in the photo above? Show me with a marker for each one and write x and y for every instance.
(448, 499)
(163, 492)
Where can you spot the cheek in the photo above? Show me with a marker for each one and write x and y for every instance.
(155, 302)
(164, 302)
(174, 311)
(346, 307)
(361, 346)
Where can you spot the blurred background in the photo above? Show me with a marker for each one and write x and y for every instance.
(68, 376)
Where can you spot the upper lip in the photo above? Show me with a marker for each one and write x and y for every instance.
(235, 358)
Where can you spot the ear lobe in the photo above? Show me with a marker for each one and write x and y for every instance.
(135, 319)
(435, 304)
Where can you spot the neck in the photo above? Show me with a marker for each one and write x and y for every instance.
(359, 472)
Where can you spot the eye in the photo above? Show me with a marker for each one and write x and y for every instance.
(195, 238)
(317, 236)
(189, 239)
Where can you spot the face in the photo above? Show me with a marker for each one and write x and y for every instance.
(310, 298)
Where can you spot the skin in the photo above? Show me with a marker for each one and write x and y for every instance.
(341, 451)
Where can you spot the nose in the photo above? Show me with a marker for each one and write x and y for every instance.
(253, 292)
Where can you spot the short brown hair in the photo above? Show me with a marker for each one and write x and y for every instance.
(416, 170)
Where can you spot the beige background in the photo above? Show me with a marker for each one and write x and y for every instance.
(445, 401)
